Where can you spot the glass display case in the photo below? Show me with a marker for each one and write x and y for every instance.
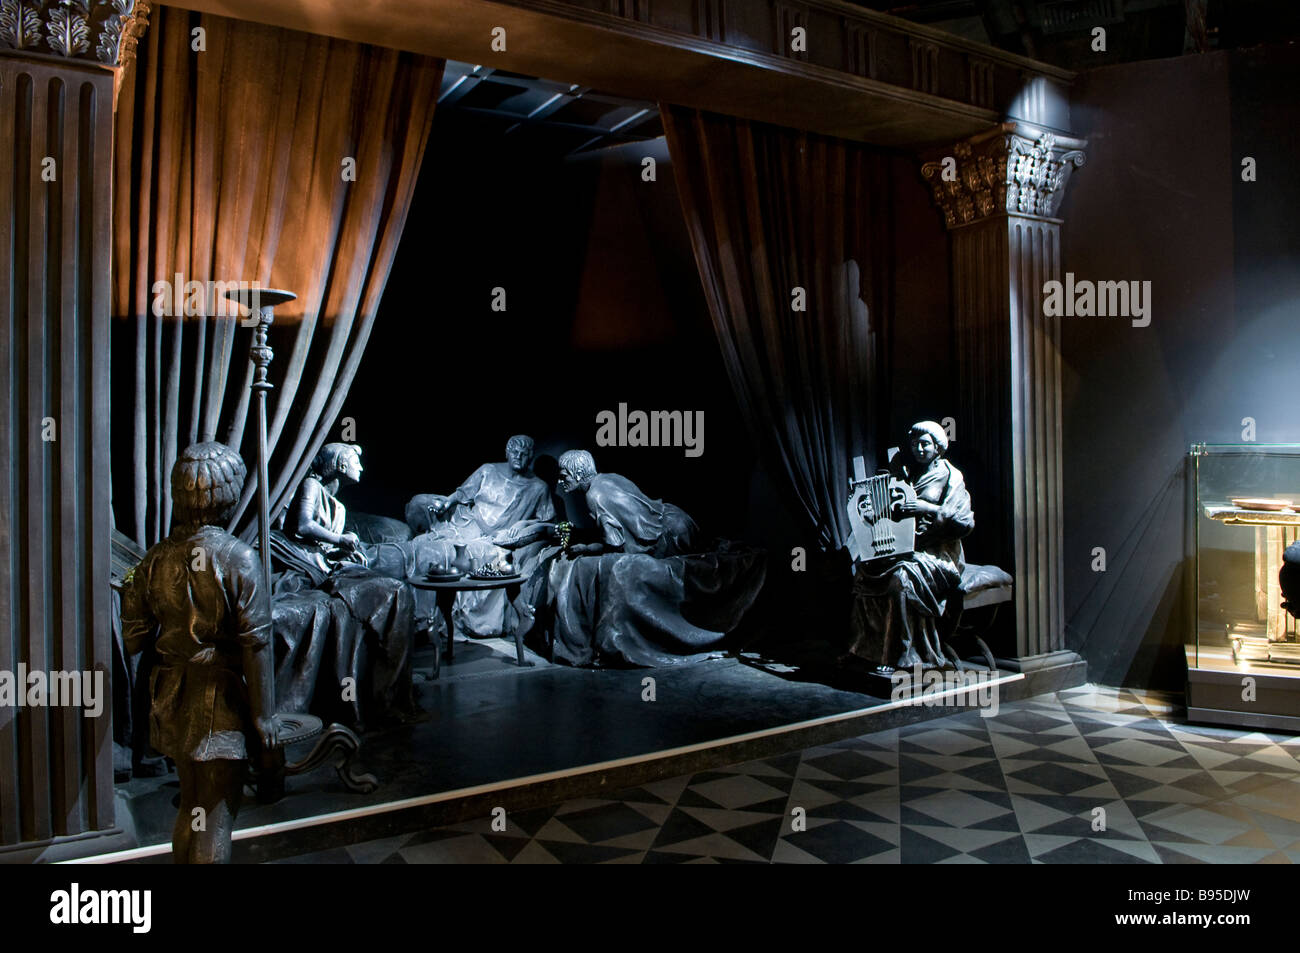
(1246, 511)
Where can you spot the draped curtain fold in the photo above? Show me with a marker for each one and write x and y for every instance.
(769, 211)
(270, 156)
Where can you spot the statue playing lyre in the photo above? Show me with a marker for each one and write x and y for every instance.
(907, 526)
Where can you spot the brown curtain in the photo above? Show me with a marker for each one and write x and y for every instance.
(231, 165)
(770, 210)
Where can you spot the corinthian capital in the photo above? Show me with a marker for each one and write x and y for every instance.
(1015, 169)
(101, 30)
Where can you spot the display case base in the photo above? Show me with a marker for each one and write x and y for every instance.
(1219, 693)
(1241, 719)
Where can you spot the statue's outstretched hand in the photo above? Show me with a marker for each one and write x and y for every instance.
(268, 729)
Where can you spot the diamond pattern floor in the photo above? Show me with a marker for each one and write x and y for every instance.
(1031, 785)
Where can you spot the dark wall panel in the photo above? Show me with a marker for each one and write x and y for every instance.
(1162, 199)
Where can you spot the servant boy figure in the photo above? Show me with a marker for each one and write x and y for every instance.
(199, 596)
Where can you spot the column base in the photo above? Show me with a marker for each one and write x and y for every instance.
(1048, 672)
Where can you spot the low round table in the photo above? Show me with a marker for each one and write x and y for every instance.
(446, 590)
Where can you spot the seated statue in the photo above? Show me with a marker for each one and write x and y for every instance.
(651, 590)
(493, 497)
(209, 621)
(898, 600)
(371, 634)
(474, 526)
(313, 541)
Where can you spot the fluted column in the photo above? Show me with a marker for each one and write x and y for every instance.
(60, 65)
(999, 193)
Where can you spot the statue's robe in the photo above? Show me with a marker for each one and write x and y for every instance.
(631, 521)
(662, 597)
(337, 619)
(897, 602)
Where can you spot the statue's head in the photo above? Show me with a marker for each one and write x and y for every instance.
(577, 467)
(340, 461)
(519, 452)
(928, 441)
(207, 479)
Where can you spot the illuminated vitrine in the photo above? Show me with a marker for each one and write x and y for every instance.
(1244, 657)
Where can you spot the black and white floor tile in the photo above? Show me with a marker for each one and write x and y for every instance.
(1024, 786)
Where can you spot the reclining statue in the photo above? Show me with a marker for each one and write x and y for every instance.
(651, 590)
(626, 518)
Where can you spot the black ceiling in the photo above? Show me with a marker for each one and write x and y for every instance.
(1060, 31)
(542, 115)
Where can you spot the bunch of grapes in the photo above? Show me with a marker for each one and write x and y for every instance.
(493, 572)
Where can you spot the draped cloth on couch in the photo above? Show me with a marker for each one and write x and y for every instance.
(287, 159)
(770, 210)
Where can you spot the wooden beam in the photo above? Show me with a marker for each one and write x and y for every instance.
(560, 40)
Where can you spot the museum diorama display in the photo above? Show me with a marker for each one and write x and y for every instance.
(407, 409)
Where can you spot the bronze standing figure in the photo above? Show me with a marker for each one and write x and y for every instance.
(200, 596)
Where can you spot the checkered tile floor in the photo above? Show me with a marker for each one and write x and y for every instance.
(1021, 787)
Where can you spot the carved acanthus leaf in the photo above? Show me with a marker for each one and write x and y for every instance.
(110, 39)
(68, 28)
(20, 25)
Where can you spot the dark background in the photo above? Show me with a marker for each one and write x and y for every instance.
(603, 307)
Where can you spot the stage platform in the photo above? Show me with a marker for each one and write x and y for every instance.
(500, 736)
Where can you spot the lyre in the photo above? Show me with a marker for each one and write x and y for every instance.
(878, 534)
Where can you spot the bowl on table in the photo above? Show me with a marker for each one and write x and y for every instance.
(438, 574)
(1267, 505)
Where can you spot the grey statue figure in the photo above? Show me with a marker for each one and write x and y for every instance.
(498, 495)
(476, 524)
(314, 553)
(652, 590)
(200, 597)
(628, 520)
(898, 601)
(314, 522)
